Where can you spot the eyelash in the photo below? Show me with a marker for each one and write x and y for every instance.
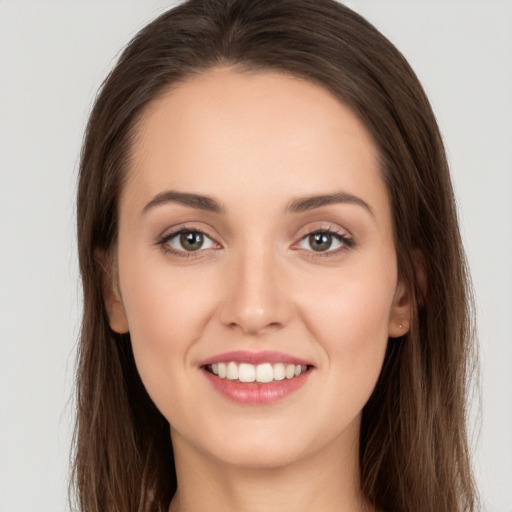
(346, 241)
(164, 243)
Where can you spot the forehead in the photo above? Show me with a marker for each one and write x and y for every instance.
(253, 133)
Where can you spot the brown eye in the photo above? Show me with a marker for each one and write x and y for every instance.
(325, 241)
(320, 241)
(186, 241)
(191, 240)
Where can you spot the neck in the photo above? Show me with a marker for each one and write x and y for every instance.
(321, 482)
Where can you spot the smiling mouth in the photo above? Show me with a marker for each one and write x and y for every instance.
(261, 373)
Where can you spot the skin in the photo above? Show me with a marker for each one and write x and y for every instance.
(255, 142)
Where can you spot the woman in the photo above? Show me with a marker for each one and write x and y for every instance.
(276, 307)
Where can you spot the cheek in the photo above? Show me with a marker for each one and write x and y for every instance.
(351, 307)
(163, 303)
(166, 312)
(350, 320)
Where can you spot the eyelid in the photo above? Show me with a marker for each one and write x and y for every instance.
(347, 241)
(343, 236)
(163, 241)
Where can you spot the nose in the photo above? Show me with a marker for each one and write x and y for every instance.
(256, 299)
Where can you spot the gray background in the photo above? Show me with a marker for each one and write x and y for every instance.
(54, 55)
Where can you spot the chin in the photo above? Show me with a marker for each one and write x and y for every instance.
(266, 447)
(270, 456)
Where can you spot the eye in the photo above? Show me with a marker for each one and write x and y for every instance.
(325, 240)
(187, 241)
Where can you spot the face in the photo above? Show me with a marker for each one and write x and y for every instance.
(256, 270)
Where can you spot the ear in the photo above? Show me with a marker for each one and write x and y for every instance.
(112, 295)
(403, 303)
(401, 312)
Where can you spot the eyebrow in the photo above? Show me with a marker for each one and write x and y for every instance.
(301, 204)
(200, 202)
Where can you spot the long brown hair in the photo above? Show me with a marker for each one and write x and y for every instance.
(413, 444)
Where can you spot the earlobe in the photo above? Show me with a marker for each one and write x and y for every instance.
(112, 296)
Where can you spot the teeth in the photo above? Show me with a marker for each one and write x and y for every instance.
(266, 372)
(279, 373)
(232, 371)
(247, 373)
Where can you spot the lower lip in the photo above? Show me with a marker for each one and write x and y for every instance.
(256, 393)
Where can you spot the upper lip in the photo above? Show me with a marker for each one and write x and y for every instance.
(266, 356)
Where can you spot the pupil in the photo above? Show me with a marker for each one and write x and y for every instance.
(320, 241)
(191, 241)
